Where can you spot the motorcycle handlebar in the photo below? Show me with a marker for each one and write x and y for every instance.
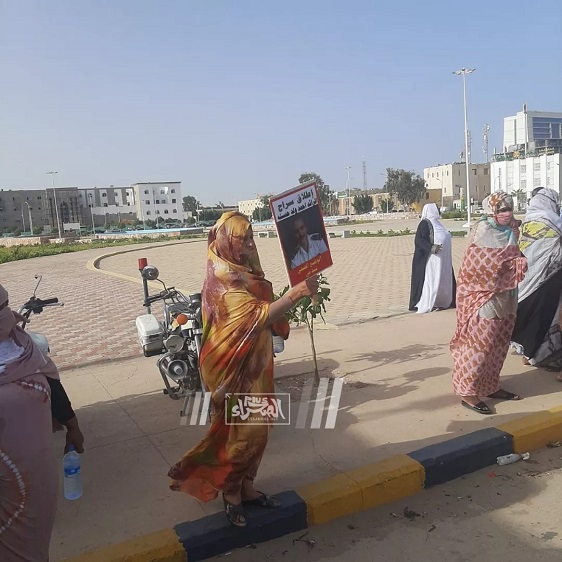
(43, 302)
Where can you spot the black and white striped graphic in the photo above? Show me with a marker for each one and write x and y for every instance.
(312, 399)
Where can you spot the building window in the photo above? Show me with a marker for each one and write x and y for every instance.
(148, 212)
(447, 173)
(105, 204)
(162, 192)
(486, 171)
(474, 170)
(175, 211)
(173, 190)
(147, 202)
(432, 175)
(157, 201)
(104, 194)
(146, 191)
(523, 184)
(537, 167)
(536, 182)
(548, 180)
(157, 212)
(548, 165)
(173, 200)
(166, 212)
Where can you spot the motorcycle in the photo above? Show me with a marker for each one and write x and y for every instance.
(35, 305)
(177, 338)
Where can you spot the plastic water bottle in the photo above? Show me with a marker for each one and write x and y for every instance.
(72, 476)
(513, 457)
(278, 344)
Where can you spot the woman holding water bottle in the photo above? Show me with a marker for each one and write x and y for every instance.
(239, 319)
(32, 404)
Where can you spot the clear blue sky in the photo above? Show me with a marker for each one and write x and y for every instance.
(234, 97)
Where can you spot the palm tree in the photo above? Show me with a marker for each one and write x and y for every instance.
(521, 196)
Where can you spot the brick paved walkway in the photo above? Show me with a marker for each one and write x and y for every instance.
(370, 277)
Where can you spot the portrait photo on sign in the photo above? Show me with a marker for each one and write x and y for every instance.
(301, 231)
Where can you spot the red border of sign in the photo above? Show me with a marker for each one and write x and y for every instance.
(314, 265)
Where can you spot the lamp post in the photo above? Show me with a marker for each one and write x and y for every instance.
(52, 174)
(348, 184)
(90, 197)
(30, 219)
(463, 72)
(441, 182)
(387, 194)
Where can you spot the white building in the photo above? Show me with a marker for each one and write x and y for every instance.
(248, 206)
(106, 205)
(158, 201)
(512, 174)
(532, 143)
(451, 179)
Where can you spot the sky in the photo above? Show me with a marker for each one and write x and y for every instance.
(239, 97)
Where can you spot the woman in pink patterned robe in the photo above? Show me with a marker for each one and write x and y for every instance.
(491, 269)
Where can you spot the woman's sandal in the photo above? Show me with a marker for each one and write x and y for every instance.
(481, 407)
(502, 394)
(234, 513)
(263, 500)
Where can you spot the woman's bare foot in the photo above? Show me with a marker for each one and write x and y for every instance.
(248, 490)
(471, 400)
(525, 361)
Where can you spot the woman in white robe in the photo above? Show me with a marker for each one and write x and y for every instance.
(433, 281)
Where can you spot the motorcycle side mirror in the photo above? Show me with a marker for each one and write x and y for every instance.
(150, 273)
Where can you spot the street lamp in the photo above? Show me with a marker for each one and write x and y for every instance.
(387, 194)
(463, 72)
(30, 219)
(441, 182)
(90, 197)
(22, 220)
(348, 191)
(52, 174)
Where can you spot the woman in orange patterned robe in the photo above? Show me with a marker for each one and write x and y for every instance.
(491, 269)
(239, 316)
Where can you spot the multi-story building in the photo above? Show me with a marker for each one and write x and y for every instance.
(107, 205)
(248, 206)
(451, 179)
(158, 201)
(84, 207)
(24, 209)
(532, 142)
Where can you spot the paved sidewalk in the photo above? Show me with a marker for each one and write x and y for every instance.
(397, 398)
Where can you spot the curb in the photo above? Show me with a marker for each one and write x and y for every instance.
(93, 264)
(349, 492)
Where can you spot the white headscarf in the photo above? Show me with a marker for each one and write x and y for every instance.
(544, 253)
(431, 213)
(545, 207)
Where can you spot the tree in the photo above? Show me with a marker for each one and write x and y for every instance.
(306, 311)
(190, 203)
(363, 204)
(521, 196)
(386, 205)
(37, 230)
(210, 214)
(263, 212)
(324, 191)
(409, 187)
